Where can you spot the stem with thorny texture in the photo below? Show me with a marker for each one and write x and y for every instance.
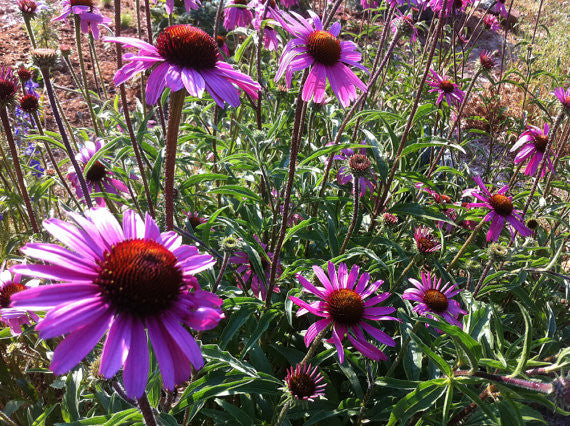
(176, 104)
(146, 410)
(64, 139)
(482, 278)
(440, 23)
(128, 122)
(222, 270)
(84, 75)
(464, 246)
(356, 190)
(295, 140)
(17, 168)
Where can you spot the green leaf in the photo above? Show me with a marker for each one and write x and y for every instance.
(238, 191)
(418, 400)
(264, 322)
(526, 344)
(417, 210)
(439, 361)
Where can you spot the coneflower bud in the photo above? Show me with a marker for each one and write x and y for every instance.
(486, 60)
(8, 85)
(29, 103)
(561, 387)
(24, 74)
(28, 8)
(498, 252)
(359, 165)
(532, 224)
(44, 58)
(65, 49)
(389, 219)
(230, 244)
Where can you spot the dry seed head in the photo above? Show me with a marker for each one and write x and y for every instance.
(44, 58)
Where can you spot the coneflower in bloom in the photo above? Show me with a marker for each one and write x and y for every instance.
(445, 87)
(533, 142)
(188, 58)
(29, 103)
(486, 60)
(24, 74)
(501, 9)
(433, 298)
(98, 177)
(404, 24)
(564, 98)
(305, 382)
(15, 318)
(248, 272)
(389, 219)
(440, 199)
(129, 280)
(271, 38)
(347, 301)
(355, 164)
(502, 210)
(9, 86)
(237, 14)
(324, 54)
(426, 242)
(28, 8)
(492, 23)
(188, 4)
(195, 219)
(89, 15)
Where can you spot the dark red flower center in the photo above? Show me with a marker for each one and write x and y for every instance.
(540, 142)
(436, 300)
(88, 3)
(457, 4)
(566, 101)
(8, 88)
(324, 47)
(302, 385)
(426, 243)
(487, 61)
(359, 164)
(447, 86)
(24, 74)
(345, 306)
(501, 204)
(195, 220)
(96, 173)
(242, 2)
(188, 47)
(139, 277)
(7, 291)
(29, 103)
(27, 6)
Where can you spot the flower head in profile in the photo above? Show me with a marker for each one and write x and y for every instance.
(426, 242)
(501, 9)
(446, 88)
(433, 298)
(237, 14)
(492, 23)
(450, 6)
(15, 318)
(124, 281)
(564, 98)
(305, 382)
(90, 17)
(441, 200)
(9, 86)
(404, 24)
(271, 38)
(532, 144)
(389, 219)
(348, 303)
(98, 177)
(368, 4)
(188, 4)
(246, 268)
(501, 210)
(195, 219)
(486, 60)
(288, 3)
(356, 165)
(222, 45)
(28, 8)
(325, 55)
(185, 57)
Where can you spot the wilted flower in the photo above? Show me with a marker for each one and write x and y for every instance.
(14, 317)
(434, 298)
(533, 142)
(237, 14)
(441, 84)
(426, 242)
(188, 58)
(129, 280)
(98, 177)
(304, 382)
(246, 268)
(345, 304)
(502, 210)
(324, 54)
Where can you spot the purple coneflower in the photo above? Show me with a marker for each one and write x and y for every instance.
(27, 7)
(271, 38)
(288, 3)
(502, 210)
(237, 14)
(324, 53)
(492, 23)
(355, 164)
(433, 298)
(501, 9)
(247, 270)
(9, 86)
(345, 304)
(533, 142)
(564, 97)
(221, 42)
(426, 242)
(15, 318)
(404, 24)
(447, 88)
(368, 4)
(440, 199)
(129, 280)
(486, 60)
(389, 219)
(186, 57)
(195, 219)
(188, 4)
(89, 15)
(30, 103)
(304, 382)
(98, 177)
(451, 6)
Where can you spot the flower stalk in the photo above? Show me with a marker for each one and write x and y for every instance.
(146, 410)
(356, 191)
(465, 245)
